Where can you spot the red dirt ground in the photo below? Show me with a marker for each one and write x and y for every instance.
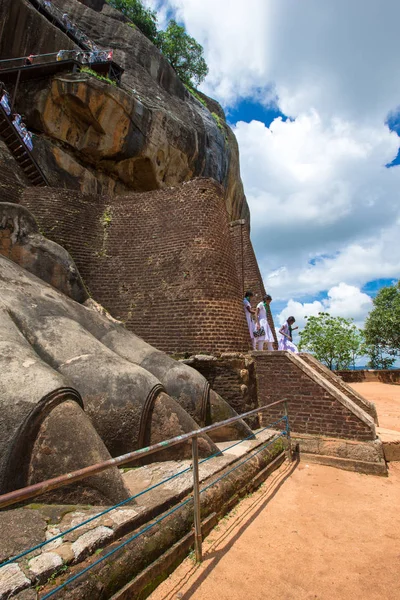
(387, 400)
(310, 532)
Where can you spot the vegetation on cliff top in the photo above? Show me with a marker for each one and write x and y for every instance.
(144, 18)
(183, 52)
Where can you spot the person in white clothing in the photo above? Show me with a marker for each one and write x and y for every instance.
(262, 323)
(286, 342)
(249, 312)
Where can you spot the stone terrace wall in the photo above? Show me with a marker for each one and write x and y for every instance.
(315, 406)
(233, 377)
(161, 261)
(384, 376)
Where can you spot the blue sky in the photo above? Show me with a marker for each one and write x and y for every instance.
(323, 186)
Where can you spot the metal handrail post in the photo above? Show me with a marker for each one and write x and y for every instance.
(15, 90)
(196, 502)
(288, 436)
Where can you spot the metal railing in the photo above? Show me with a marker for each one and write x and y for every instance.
(35, 490)
(63, 21)
(98, 56)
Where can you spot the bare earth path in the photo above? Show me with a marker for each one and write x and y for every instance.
(311, 532)
(387, 400)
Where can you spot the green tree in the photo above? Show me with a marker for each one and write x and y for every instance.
(184, 54)
(144, 18)
(334, 341)
(382, 328)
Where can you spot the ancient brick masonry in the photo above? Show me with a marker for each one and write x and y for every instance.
(161, 261)
(233, 377)
(247, 266)
(312, 408)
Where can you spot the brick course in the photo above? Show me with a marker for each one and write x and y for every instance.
(312, 408)
(247, 267)
(363, 403)
(161, 261)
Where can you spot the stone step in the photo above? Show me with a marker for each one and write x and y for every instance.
(391, 443)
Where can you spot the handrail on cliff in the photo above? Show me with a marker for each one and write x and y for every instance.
(82, 57)
(63, 21)
(65, 24)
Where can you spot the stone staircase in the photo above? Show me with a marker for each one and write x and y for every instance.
(339, 384)
(56, 17)
(64, 23)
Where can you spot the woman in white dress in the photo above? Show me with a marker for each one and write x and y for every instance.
(286, 342)
(249, 312)
(262, 322)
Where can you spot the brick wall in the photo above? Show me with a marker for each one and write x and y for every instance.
(391, 376)
(233, 377)
(368, 407)
(313, 408)
(247, 266)
(161, 261)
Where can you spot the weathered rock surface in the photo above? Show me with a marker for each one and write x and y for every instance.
(152, 133)
(27, 527)
(12, 179)
(21, 241)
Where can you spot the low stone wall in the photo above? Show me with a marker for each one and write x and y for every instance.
(315, 406)
(350, 455)
(382, 375)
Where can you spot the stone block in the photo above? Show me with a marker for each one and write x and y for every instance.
(90, 541)
(12, 580)
(65, 552)
(44, 565)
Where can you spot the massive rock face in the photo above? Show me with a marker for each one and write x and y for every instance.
(153, 133)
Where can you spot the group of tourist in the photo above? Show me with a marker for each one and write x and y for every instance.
(17, 122)
(259, 328)
(95, 56)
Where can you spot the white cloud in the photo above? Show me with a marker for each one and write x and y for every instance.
(325, 210)
(320, 192)
(339, 57)
(342, 300)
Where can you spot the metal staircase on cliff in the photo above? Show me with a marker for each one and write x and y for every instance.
(63, 22)
(19, 150)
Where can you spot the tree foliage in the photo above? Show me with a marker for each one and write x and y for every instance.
(144, 18)
(179, 48)
(184, 53)
(382, 328)
(334, 341)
